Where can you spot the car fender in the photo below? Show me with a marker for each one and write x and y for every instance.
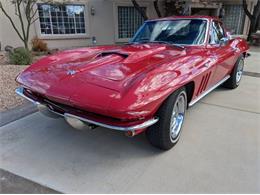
(150, 89)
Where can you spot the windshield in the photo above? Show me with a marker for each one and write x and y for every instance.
(179, 31)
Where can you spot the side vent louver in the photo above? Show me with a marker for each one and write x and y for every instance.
(204, 83)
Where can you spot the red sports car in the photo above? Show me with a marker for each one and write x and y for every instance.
(145, 85)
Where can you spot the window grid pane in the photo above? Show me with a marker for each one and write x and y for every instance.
(234, 18)
(62, 19)
(129, 20)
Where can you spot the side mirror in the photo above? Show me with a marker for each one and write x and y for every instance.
(223, 41)
(229, 34)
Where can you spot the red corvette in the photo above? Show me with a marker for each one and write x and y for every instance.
(145, 85)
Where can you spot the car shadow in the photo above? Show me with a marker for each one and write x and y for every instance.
(101, 142)
(102, 139)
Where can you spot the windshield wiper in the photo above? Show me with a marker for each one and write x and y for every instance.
(160, 42)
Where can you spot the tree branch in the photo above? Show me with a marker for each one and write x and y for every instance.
(156, 7)
(140, 10)
(30, 12)
(34, 14)
(34, 20)
(27, 9)
(21, 17)
(257, 9)
(250, 16)
(257, 25)
(11, 21)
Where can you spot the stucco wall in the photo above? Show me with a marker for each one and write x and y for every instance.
(101, 25)
(8, 35)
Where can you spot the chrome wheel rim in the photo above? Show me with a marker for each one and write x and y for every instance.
(239, 71)
(177, 117)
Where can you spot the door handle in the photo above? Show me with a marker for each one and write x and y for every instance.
(235, 49)
(207, 64)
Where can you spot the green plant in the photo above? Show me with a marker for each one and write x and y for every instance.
(39, 45)
(21, 56)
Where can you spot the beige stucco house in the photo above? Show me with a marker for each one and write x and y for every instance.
(84, 22)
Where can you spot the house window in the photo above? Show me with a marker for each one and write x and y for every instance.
(62, 19)
(234, 18)
(129, 20)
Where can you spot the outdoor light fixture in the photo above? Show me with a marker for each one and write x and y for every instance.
(92, 11)
(94, 40)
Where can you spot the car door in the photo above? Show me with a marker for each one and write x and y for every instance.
(220, 52)
(206, 69)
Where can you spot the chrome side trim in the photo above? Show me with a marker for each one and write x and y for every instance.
(131, 128)
(208, 91)
(43, 109)
(67, 116)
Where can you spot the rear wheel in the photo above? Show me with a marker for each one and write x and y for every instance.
(236, 75)
(166, 132)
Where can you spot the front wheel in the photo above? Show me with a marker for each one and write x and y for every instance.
(166, 132)
(236, 75)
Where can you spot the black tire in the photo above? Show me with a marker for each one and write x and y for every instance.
(232, 82)
(159, 135)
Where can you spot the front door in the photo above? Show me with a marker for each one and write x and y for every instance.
(220, 51)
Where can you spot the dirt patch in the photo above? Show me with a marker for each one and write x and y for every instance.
(8, 98)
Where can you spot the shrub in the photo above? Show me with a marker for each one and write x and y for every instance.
(39, 45)
(20, 56)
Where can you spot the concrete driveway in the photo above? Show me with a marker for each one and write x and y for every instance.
(219, 150)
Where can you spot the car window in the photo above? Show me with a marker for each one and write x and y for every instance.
(217, 33)
(179, 31)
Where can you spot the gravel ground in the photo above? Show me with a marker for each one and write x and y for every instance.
(8, 98)
(8, 73)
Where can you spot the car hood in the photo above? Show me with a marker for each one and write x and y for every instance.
(106, 66)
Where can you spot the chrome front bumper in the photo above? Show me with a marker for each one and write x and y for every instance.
(80, 122)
